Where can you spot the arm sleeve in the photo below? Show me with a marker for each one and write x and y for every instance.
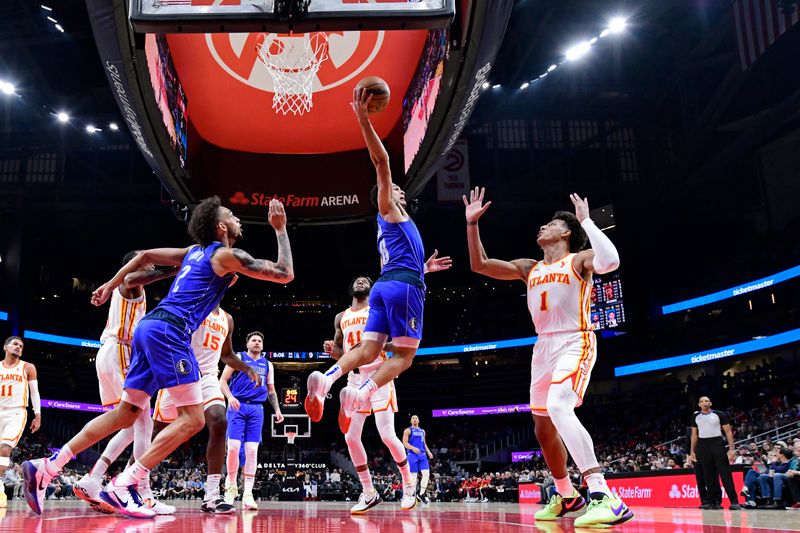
(606, 257)
(270, 374)
(36, 401)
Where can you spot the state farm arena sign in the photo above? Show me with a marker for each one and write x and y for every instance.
(678, 490)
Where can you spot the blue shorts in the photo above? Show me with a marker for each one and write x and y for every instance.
(395, 309)
(245, 424)
(161, 357)
(417, 462)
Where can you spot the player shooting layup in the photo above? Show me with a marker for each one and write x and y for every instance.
(398, 297)
(162, 354)
(563, 357)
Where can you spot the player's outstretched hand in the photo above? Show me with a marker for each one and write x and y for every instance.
(327, 347)
(277, 215)
(102, 294)
(581, 206)
(253, 376)
(360, 103)
(436, 263)
(474, 207)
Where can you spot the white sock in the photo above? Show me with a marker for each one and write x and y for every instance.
(133, 475)
(113, 450)
(56, 462)
(597, 484)
(333, 373)
(249, 481)
(563, 486)
(212, 486)
(232, 462)
(98, 470)
(366, 481)
(423, 484)
(405, 473)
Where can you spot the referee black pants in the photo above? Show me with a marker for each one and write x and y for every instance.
(713, 460)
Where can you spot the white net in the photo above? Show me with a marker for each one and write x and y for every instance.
(293, 62)
(290, 436)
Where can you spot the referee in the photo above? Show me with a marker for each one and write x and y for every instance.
(708, 451)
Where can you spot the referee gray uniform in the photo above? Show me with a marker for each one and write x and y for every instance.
(711, 454)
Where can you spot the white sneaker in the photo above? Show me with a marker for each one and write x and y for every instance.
(409, 500)
(315, 398)
(347, 399)
(249, 502)
(36, 479)
(126, 500)
(160, 508)
(365, 503)
(230, 494)
(88, 489)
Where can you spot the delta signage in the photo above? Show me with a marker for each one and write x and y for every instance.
(678, 490)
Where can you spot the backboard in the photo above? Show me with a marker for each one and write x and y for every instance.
(300, 424)
(223, 16)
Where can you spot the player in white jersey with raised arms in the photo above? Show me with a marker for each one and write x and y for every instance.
(128, 306)
(17, 379)
(211, 343)
(558, 290)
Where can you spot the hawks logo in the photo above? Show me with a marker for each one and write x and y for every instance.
(183, 367)
(349, 53)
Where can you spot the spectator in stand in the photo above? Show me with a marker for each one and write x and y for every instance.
(793, 476)
(12, 480)
(772, 481)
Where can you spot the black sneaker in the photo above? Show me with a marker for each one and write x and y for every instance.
(735, 507)
(423, 498)
(218, 506)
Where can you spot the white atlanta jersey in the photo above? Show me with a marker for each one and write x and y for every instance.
(352, 324)
(558, 298)
(207, 342)
(13, 385)
(123, 316)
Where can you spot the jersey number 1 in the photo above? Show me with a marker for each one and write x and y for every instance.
(6, 392)
(543, 306)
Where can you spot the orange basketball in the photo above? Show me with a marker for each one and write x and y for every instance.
(379, 90)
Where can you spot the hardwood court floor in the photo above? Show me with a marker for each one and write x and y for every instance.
(331, 517)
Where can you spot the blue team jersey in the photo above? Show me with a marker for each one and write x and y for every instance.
(400, 246)
(196, 290)
(417, 438)
(245, 390)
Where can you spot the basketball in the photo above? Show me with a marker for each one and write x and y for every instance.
(379, 90)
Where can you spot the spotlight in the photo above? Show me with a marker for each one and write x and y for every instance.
(496, 86)
(604, 33)
(46, 8)
(51, 19)
(60, 28)
(485, 85)
(551, 68)
(92, 129)
(617, 24)
(7, 88)
(524, 85)
(62, 117)
(113, 126)
(577, 51)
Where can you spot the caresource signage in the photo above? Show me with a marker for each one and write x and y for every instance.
(664, 490)
(517, 457)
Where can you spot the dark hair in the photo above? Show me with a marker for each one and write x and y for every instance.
(786, 452)
(353, 281)
(130, 255)
(253, 334)
(203, 224)
(11, 338)
(577, 238)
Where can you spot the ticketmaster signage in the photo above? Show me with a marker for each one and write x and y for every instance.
(756, 285)
(709, 355)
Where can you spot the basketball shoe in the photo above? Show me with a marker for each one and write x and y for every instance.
(248, 502)
(230, 494)
(409, 499)
(88, 489)
(558, 506)
(365, 503)
(318, 388)
(347, 398)
(36, 479)
(126, 500)
(604, 511)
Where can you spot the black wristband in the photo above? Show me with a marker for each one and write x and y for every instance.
(472, 223)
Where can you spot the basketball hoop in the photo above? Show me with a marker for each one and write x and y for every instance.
(293, 62)
(290, 436)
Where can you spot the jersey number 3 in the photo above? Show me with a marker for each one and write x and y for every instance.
(543, 306)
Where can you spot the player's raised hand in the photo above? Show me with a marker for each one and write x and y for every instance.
(277, 215)
(360, 103)
(581, 206)
(327, 347)
(102, 294)
(436, 263)
(474, 207)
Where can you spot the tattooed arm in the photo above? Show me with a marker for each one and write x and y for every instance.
(229, 260)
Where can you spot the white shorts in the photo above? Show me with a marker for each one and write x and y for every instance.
(166, 411)
(558, 357)
(12, 424)
(113, 360)
(384, 398)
